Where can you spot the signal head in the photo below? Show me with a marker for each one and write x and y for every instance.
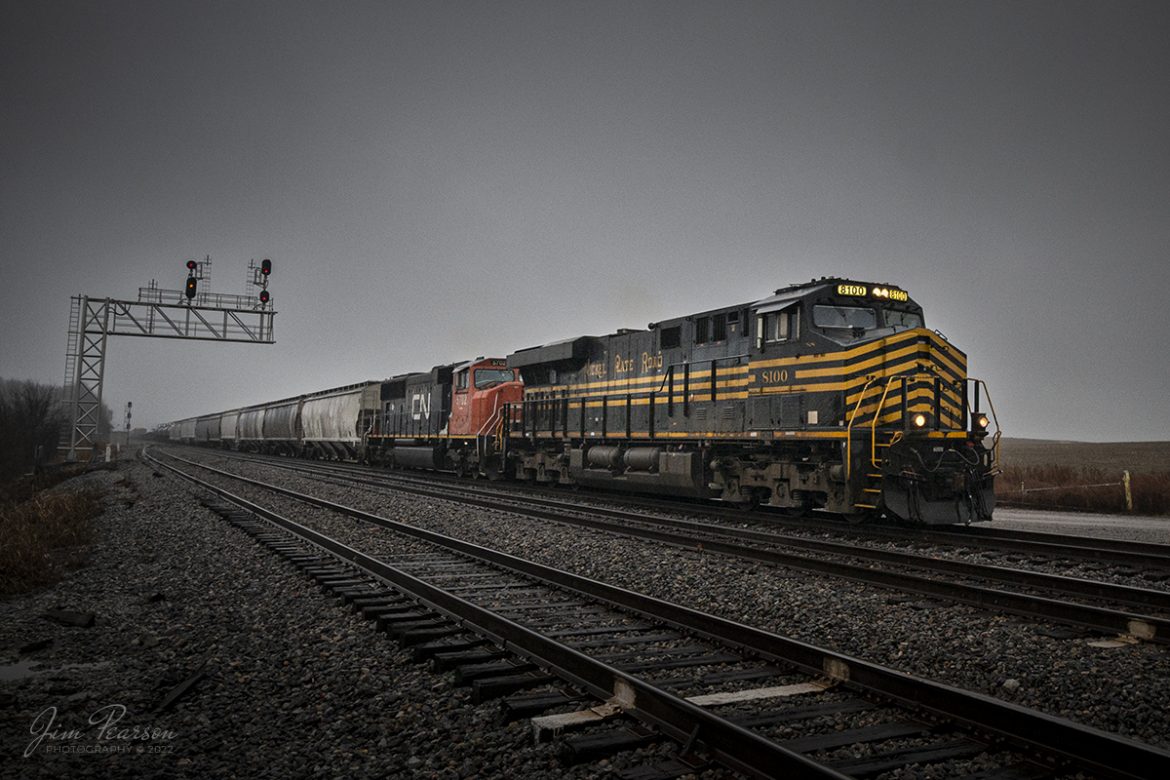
(192, 265)
(266, 267)
(264, 296)
(192, 284)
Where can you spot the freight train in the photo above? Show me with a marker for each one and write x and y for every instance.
(827, 395)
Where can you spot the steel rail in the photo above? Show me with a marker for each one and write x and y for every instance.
(1148, 627)
(1098, 548)
(1101, 751)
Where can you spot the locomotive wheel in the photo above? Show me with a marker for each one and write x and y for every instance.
(751, 503)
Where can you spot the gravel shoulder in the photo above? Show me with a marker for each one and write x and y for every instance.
(293, 686)
(1136, 528)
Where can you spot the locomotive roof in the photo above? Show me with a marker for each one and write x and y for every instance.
(575, 348)
(785, 295)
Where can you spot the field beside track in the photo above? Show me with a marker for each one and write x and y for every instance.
(1137, 457)
(1085, 476)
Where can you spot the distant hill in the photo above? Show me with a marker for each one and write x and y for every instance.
(1137, 457)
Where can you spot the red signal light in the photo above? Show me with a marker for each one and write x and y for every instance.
(266, 267)
(264, 296)
(191, 265)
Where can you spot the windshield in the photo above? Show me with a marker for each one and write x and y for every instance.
(844, 317)
(902, 319)
(487, 377)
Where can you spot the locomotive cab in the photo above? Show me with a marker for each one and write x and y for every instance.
(796, 323)
(480, 391)
(843, 360)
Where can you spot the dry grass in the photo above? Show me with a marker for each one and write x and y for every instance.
(23, 488)
(1064, 468)
(44, 536)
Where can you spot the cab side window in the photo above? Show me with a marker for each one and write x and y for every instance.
(711, 329)
(461, 380)
(702, 330)
(719, 327)
(780, 326)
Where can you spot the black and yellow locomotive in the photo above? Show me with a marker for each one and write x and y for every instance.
(831, 394)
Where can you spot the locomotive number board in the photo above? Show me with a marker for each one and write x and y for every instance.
(861, 291)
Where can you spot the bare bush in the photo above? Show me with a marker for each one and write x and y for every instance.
(44, 536)
(31, 417)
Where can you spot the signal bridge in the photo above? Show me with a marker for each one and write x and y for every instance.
(158, 313)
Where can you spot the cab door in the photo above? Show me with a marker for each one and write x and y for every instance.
(460, 403)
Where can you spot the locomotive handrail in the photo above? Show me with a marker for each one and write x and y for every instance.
(496, 409)
(873, 425)
(529, 406)
(669, 368)
(902, 379)
(979, 383)
(849, 431)
(877, 413)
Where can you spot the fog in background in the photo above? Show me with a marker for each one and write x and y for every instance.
(435, 181)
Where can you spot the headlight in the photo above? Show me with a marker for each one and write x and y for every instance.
(979, 423)
(919, 420)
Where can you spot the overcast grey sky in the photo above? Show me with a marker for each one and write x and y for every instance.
(436, 181)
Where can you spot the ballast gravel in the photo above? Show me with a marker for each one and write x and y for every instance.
(290, 685)
(293, 686)
(1120, 689)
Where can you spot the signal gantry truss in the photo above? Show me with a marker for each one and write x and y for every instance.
(157, 313)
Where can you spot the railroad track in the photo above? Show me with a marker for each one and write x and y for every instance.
(1061, 547)
(1090, 605)
(717, 688)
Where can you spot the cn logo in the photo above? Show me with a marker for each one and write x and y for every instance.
(420, 406)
